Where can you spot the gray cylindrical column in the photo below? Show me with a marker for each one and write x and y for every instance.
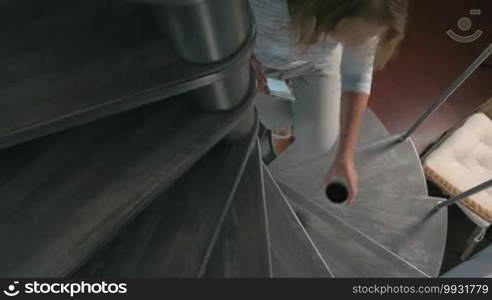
(204, 31)
(226, 93)
(247, 123)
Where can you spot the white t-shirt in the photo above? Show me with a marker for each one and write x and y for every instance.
(277, 48)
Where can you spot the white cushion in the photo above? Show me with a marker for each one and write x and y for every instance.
(464, 160)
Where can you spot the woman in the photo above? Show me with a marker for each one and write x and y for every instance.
(327, 51)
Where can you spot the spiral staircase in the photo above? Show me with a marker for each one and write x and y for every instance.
(130, 147)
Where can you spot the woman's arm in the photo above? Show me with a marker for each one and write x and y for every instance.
(354, 106)
(356, 71)
(352, 113)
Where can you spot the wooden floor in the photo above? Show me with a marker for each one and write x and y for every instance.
(428, 62)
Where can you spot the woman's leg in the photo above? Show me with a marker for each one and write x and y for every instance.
(314, 117)
(274, 113)
(316, 114)
(317, 111)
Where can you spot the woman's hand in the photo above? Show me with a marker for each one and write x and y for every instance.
(352, 112)
(260, 75)
(344, 168)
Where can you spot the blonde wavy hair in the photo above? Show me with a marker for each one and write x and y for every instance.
(313, 20)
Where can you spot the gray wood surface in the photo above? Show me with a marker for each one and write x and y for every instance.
(243, 248)
(371, 130)
(65, 63)
(349, 251)
(173, 236)
(65, 195)
(392, 205)
(294, 254)
(478, 266)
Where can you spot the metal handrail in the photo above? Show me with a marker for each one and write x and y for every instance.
(479, 188)
(449, 92)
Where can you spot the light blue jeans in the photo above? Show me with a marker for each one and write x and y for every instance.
(315, 115)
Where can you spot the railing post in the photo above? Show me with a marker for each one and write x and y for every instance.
(464, 195)
(449, 92)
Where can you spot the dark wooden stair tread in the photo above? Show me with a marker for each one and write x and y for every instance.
(349, 252)
(174, 236)
(65, 63)
(66, 194)
(392, 205)
(243, 249)
(293, 251)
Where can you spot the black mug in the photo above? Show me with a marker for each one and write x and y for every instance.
(337, 192)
